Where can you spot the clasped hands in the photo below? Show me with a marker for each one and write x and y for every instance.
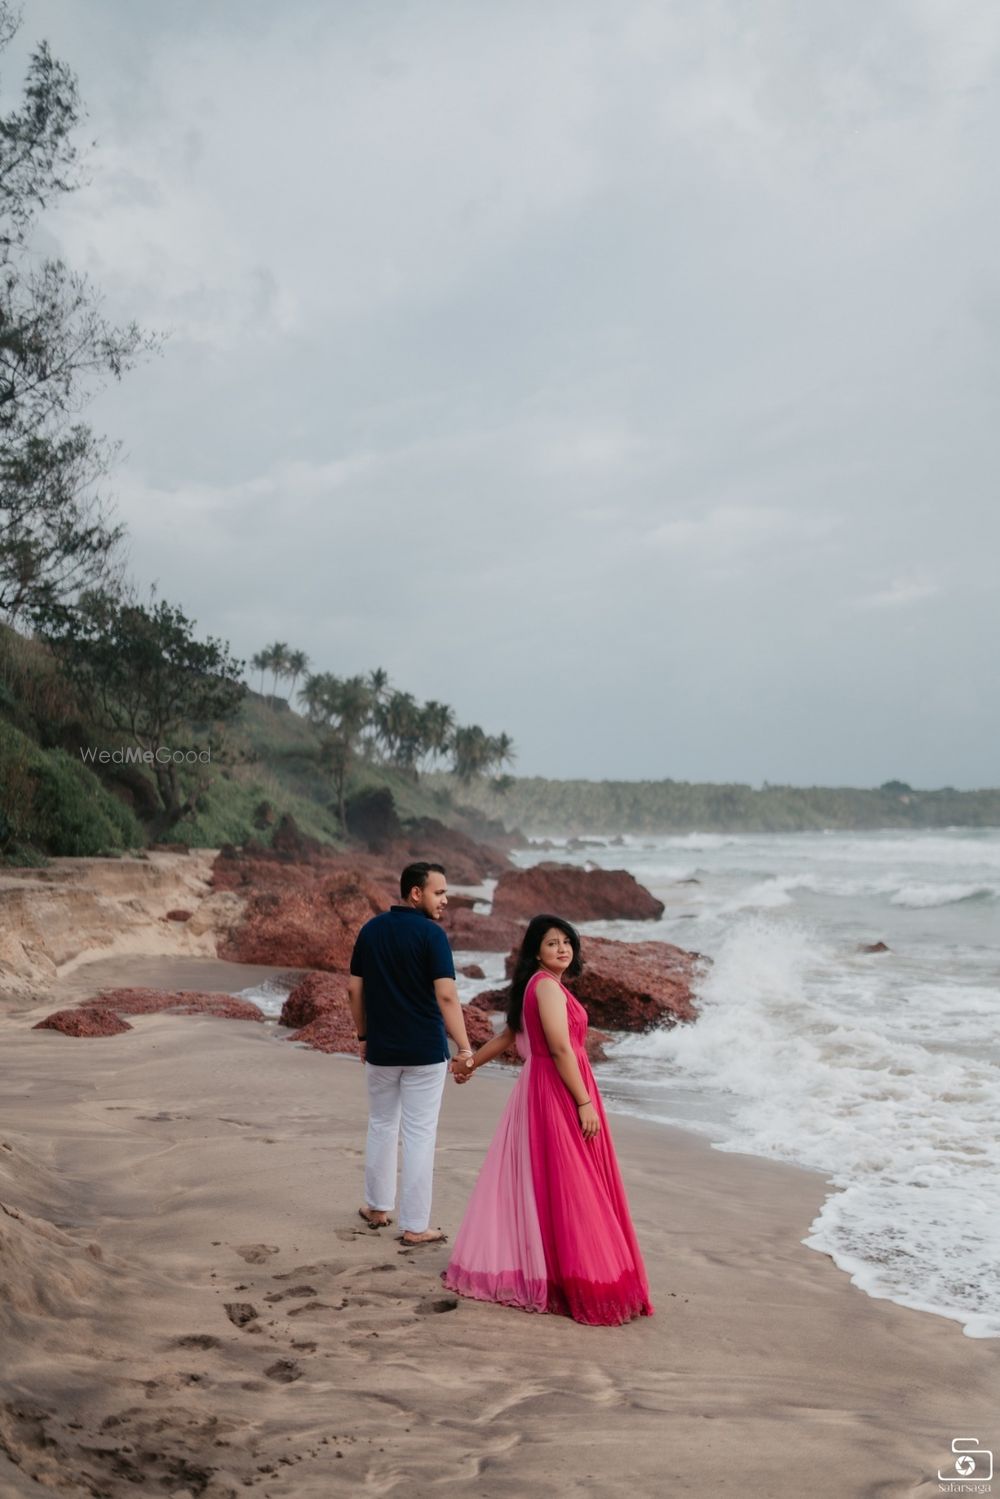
(462, 1066)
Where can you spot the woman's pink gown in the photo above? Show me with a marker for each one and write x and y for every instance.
(548, 1226)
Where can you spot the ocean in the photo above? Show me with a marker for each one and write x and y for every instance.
(880, 1070)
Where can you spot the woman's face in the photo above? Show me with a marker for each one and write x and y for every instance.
(556, 951)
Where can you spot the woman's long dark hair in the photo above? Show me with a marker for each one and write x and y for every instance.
(527, 962)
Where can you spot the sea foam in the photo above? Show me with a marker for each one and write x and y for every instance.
(829, 1076)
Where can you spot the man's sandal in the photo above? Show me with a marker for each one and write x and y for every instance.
(366, 1214)
(432, 1236)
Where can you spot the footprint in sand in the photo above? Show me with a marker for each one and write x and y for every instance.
(285, 1371)
(432, 1304)
(306, 1270)
(293, 1291)
(318, 1306)
(197, 1340)
(240, 1313)
(255, 1254)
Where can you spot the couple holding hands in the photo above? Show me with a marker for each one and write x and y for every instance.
(547, 1228)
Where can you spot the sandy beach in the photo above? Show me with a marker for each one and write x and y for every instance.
(192, 1307)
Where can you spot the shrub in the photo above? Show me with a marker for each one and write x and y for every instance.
(52, 803)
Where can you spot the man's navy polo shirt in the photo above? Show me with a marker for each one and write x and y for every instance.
(398, 955)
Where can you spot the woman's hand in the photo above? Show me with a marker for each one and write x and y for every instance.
(590, 1121)
(462, 1066)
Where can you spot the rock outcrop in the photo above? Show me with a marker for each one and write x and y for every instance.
(469, 932)
(310, 925)
(467, 862)
(332, 1031)
(294, 855)
(139, 1001)
(304, 901)
(625, 986)
(319, 1015)
(314, 995)
(101, 1015)
(631, 986)
(79, 1022)
(577, 894)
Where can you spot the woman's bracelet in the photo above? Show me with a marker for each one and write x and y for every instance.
(584, 1104)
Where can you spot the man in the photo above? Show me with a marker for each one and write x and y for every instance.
(404, 999)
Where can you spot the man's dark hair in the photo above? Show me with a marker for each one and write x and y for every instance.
(416, 874)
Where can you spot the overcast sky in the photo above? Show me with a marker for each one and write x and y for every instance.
(623, 374)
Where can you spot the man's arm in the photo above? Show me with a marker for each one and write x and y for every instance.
(446, 994)
(356, 999)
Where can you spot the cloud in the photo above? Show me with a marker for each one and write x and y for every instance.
(635, 343)
(740, 528)
(333, 172)
(901, 593)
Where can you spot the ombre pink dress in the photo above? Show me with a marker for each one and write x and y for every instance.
(548, 1226)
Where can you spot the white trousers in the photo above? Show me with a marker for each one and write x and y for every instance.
(407, 1100)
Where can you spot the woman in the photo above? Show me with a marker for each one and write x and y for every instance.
(548, 1226)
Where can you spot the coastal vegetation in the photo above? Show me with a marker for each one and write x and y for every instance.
(57, 533)
(577, 807)
(158, 723)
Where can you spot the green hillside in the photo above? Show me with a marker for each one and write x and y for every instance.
(53, 801)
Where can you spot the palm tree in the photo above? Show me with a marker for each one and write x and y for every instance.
(500, 751)
(476, 754)
(260, 663)
(398, 722)
(297, 662)
(312, 695)
(378, 686)
(468, 751)
(437, 724)
(341, 707)
(278, 662)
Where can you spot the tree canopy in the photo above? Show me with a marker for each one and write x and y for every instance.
(57, 533)
(139, 671)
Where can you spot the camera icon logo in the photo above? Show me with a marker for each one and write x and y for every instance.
(971, 1461)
